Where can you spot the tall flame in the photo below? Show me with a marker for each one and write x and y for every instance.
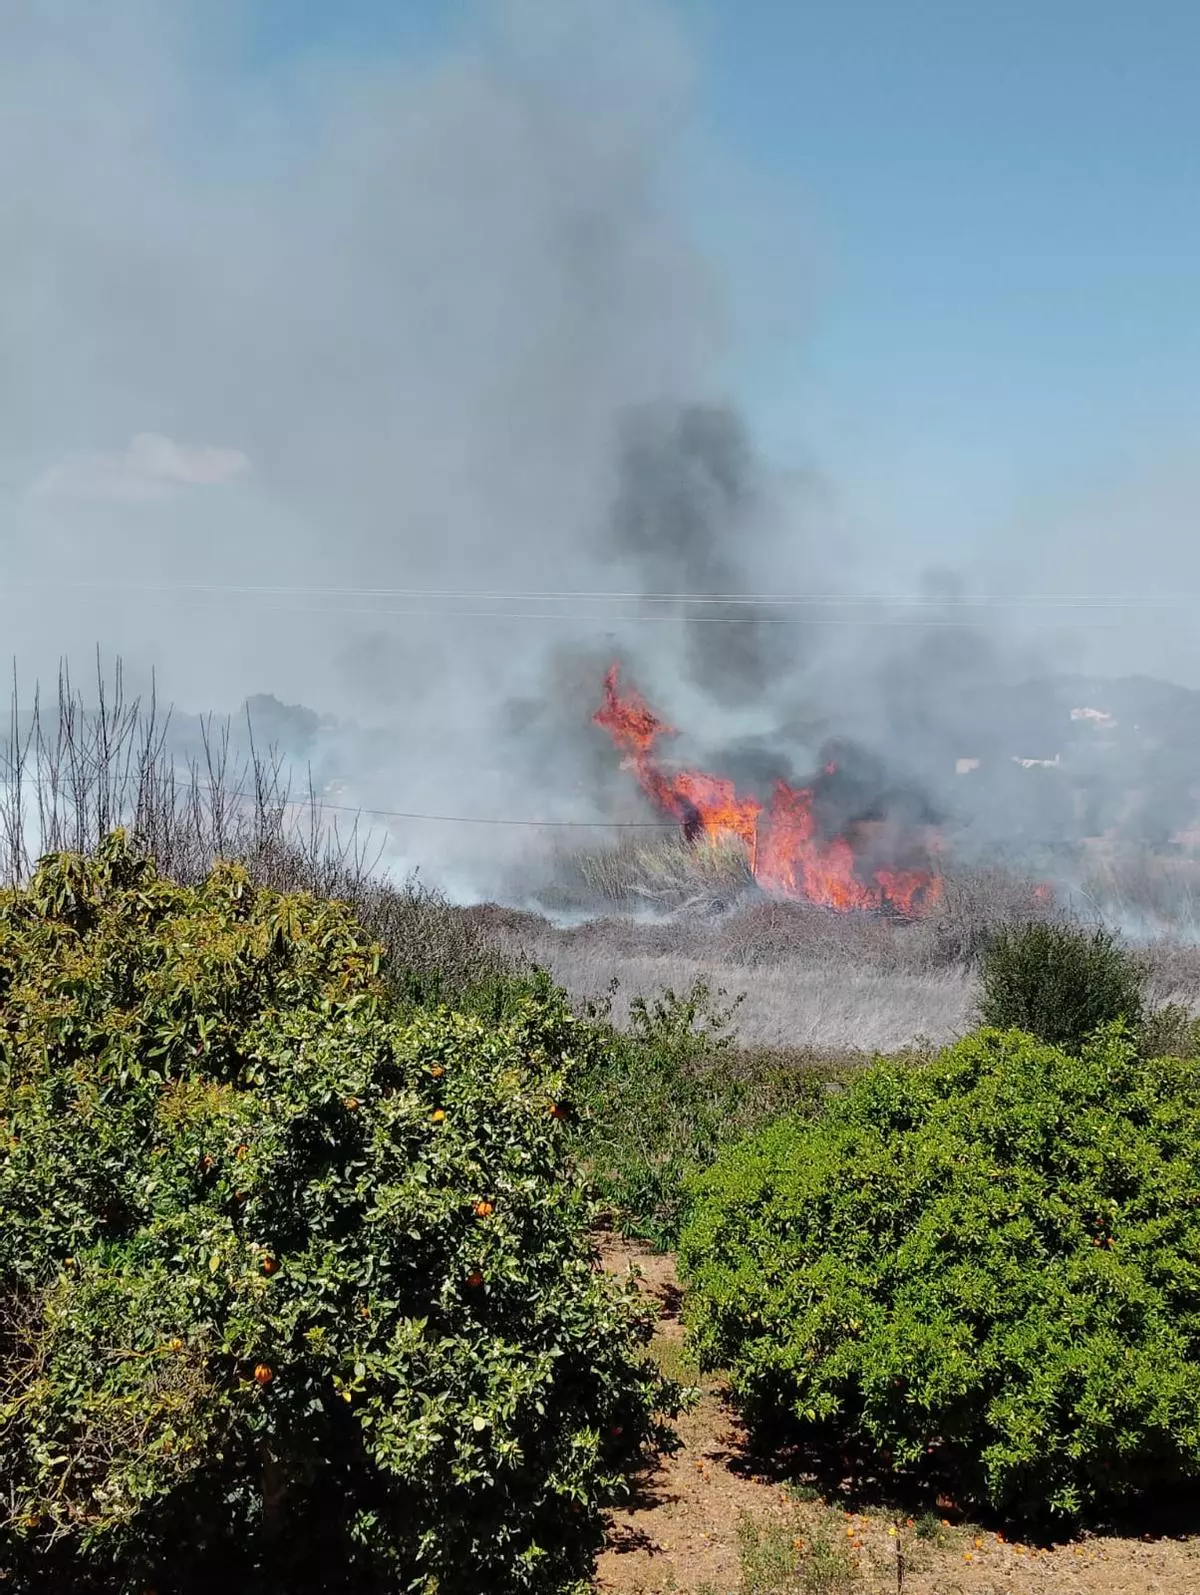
(787, 855)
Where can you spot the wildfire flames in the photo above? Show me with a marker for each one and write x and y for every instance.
(788, 857)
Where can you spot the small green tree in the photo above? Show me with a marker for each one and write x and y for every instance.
(1059, 983)
(982, 1269)
(295, 1291)
(659, 1097)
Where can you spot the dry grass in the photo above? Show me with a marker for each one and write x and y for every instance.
(817, 979)
(1172, 971)
(664, 873)
(827, 1007)
(1143, 893)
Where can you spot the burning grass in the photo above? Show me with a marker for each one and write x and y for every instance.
(665, 874)
(666, 911)
(788, 849)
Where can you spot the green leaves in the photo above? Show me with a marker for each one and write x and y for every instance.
(995, 1254)
(659, 1100)
(252, 1327)
(1059, 983)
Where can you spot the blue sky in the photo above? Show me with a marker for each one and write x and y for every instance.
(1005, 201)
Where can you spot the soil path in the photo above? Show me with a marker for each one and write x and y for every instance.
(680, 1534)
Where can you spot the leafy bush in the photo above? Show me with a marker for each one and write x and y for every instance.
(1171, 1031)
(984, 1269)
(294, 1291)
(660, 1098)
(1059, 983)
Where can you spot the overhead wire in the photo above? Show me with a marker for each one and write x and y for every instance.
(888, 622)
(599, 595)
(320, 805)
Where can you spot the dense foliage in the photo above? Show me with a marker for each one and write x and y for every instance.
(1058, 982)
(295, 1290)
(659, 1098)
(984, 1269)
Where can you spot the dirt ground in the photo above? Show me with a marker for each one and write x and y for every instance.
(682, 1533)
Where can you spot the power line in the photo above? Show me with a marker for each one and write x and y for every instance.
(610, 621)
(478, 819)
(904, 600)
(880, 622)
(320, 805)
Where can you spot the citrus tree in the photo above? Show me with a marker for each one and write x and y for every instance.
(983, 1270)
(295, 1291)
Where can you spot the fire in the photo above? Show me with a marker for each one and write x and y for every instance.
(788, 856)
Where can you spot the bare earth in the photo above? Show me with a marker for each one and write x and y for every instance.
(681, 1533)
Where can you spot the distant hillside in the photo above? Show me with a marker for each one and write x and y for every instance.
(1068, 758)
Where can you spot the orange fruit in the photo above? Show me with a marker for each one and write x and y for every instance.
(437, 1116)
(269, 1265)
(436, 1071)
(483, 1209)
(263, 1374)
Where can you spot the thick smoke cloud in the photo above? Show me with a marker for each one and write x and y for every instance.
(350, 324)
(288, 348)
(689, 508)
(304, 362)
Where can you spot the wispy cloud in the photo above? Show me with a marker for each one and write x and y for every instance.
(151, 467)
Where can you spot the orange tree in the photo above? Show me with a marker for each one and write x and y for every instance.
(983, 1271)
(295, 1290)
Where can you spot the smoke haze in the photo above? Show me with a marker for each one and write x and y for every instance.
(287, 352)
(362, 327)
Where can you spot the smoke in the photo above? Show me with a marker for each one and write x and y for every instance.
(691, 500)
(309, 353)
(883, 721)
(339, 323)
(291, 343)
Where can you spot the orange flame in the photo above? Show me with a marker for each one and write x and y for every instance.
(787, 856)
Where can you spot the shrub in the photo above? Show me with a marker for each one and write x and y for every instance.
(1059, 983)
(1171, 1031)
(294, 1291)
(983, 1269)
(659, 1099)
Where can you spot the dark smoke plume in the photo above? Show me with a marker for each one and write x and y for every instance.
(690, 499)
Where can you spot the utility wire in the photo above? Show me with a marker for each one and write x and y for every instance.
(318, 803)
(478, 819)
(597, 595)
(613, 621)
